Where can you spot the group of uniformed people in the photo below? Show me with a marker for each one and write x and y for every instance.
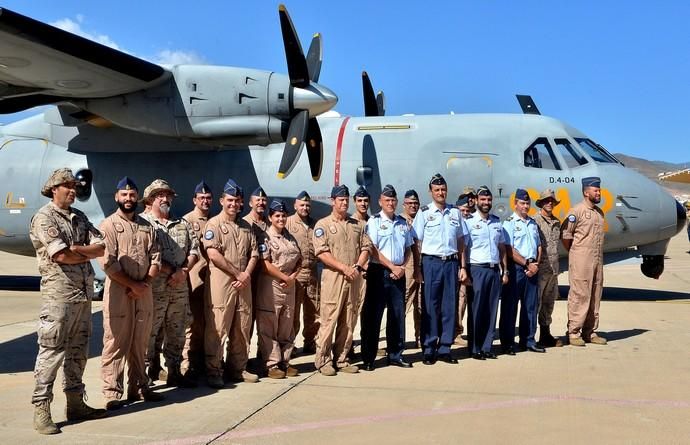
(192, 288)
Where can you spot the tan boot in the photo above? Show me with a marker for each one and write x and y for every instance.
(276, 373)
(327, 370)
(43, 421)
(595, 339)
(576, 341)
(78, 410)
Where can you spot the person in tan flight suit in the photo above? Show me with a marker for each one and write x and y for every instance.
(179, 250)
(193, 352)
(301, 227)
(550, 233)
(275, 310)
(131, 262)
(466, 203)
(232, 252)
(65, 243)
(258, 202)
(362, 201)
(583, 238)
(413, 264)
(342, 246)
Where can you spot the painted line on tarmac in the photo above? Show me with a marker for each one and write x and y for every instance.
(232, 433)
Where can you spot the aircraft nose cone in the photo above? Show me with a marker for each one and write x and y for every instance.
(315, 98)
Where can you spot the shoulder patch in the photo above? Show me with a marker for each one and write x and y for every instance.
(510, 218)
(195, 226)
(318, 232)
(52, 232)
(333, 229)
(118, 227)
(262, 248)
(571, 218)
(209, 235)
(424, 208)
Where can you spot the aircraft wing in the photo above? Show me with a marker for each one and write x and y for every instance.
(41, 64)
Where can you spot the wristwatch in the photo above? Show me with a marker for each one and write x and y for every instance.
(358, 267)
(506, 273)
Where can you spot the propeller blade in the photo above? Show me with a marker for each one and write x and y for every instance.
(314, 148)
(370, 106)
(294, 142)
(527, 104)
(381, 103)
(315, 58)
(296, 63)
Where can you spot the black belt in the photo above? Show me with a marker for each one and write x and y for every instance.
(443, 258)
(485, 265)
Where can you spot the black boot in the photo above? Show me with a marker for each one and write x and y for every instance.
(545, 338)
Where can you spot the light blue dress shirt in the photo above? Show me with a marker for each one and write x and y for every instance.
(523, 235)
(438, 230)
(484, 237)
(391, 237)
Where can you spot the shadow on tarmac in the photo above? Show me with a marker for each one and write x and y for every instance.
(628, 294)
(19, 355)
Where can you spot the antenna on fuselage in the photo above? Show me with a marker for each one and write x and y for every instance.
(527, 104)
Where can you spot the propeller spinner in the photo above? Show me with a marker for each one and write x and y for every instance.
(307, 99)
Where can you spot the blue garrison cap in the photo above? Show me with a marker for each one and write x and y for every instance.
(591, 181)
(231, 188)
(259, 191)
(277, 206)
(389, 191)
(437, 179)
(303, 196)
(462, 200)
(202, 187)
(411, 194)
(484, 191)
(522, 195)
(126, 183)
(361, 193)
(340, 191)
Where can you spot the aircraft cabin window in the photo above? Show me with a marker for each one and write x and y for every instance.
(540, 155)
(595, 151)
(86, 178)
(571, 155)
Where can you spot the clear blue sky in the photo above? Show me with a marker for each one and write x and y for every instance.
(618, 71)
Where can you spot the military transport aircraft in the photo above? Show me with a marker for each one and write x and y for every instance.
(115, 114)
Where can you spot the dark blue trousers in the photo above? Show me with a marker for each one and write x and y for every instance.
(383, 292)
(440, 304)
(525, 290)
(486, 283)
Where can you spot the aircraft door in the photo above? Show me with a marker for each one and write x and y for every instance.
(468, 171)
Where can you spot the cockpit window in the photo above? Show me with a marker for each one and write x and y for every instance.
(597, 152)
(571, 155)
(540, 155)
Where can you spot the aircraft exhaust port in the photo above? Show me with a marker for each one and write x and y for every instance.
(652, 265)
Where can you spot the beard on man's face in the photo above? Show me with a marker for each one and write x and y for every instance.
(127, 206)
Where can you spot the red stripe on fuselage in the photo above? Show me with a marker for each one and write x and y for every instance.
(338, 151)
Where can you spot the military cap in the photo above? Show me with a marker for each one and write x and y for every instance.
(591, 181)
(303, 196)
(361, 193)
(259, 192)
(412, 194)
(469, 191)
(158, 185)
(231, 188)
(545, 196)
(126, 183)
(340, 191)
(389, 191)
(277, 206)
(202, 187)
(484, 191)
(521, 194)
(437, 179)
(58, 177)
(462, 200)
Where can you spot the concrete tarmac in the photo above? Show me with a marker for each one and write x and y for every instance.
(634, 390)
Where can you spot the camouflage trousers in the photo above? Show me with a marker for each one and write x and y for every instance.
(170, 315)
(413, 301)
(548, 294)
(63, 340)
(307, 302)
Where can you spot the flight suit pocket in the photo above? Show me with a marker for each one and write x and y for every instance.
(52, 326)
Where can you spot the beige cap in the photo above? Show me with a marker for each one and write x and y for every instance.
(59, 176)
(156, 186)
(547, 194)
